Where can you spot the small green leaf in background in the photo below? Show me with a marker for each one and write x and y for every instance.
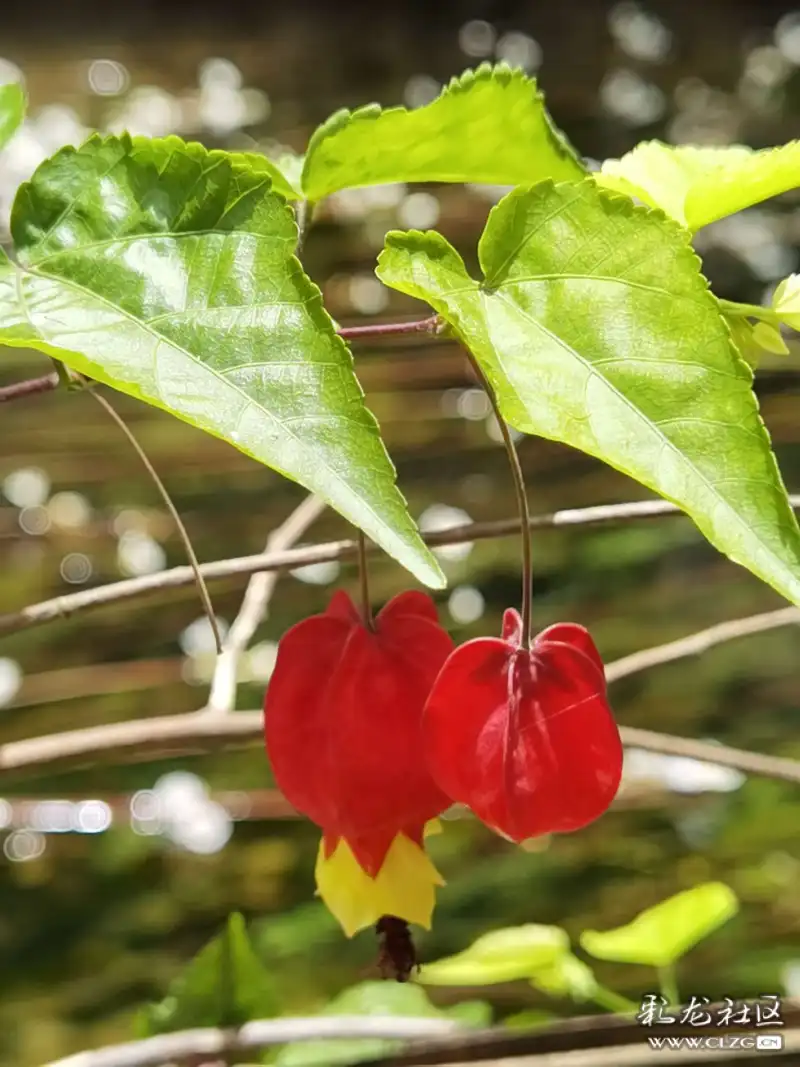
(168, 272)
(566, 976)
(596, 328)
(754, 339)
(698, 185)
(786, 301)
(488, 125)
(374, 998)
(224, 985)
(500, 956)
(659, 936)
(12, 111)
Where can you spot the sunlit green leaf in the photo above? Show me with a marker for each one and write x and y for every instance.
(595, 327)
(660, 935)
(224, 985)
(786, 301)
(500, 956)
(12, 110)
(168, 272)
(697, 185)
(367, 998)
(488, 125)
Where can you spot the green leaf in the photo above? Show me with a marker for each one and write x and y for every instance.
(167, 272)
(754, 339)
(566, 976)
(660, 935)
(488, 125)
(477, 1013)
(224, 985)
(12, 111)
(367, 998)
(786, 301)
(500, 956)
(770, 339)
(595, 327)
(700, 185)
(282, 173)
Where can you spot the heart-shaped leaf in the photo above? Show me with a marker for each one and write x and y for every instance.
(224, 985)
(660, 935)
(595, 327)
(488, 125)
(697, 185)
(500, 956)
(12, 110)
(168, 272)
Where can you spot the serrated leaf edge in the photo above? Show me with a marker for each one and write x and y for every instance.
(458, 85)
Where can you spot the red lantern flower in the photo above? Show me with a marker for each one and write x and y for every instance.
(525, 736)
(343, 730)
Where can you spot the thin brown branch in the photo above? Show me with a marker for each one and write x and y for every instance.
(199, 732)
(699, 642)
(390, 329)
(262, 1033)
(45, 384)
(254, 606)
(64, 606)
(205, 599)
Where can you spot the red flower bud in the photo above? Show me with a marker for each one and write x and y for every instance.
(343, 717)
(525, 736)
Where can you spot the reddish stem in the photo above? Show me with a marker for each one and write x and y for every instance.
(28, 388)
(388, 329)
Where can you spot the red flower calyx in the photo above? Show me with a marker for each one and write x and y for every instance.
(343, 715)
(524, 735)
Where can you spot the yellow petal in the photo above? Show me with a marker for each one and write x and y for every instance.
(404, 886)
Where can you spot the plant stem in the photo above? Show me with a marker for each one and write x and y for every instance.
(199, 580)
(388, 329)
(750, 311)
(363, 578)
(302, 215)
(30, 387)
(668, 984)
(522, 500)
(607, 998)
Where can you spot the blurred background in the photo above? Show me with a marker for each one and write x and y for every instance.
(111, 878)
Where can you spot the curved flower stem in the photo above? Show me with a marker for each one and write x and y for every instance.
(363, 578)
(182, 531)
(522, 500)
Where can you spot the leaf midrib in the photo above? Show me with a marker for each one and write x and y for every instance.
(639, 415)
(176, 235)
(75, 286)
